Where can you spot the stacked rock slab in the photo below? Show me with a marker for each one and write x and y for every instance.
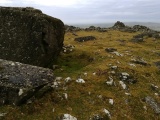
(21, 82)
(29, 36)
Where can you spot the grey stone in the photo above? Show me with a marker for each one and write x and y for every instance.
(138, 38)
(139, 61)
(127, 78)
(157, 64)
(20, 82)
(67, 117)
(29, 36)
(85, 38)
(153, 104)
(110, 49)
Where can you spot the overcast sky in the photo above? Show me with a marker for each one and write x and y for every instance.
(94, 11)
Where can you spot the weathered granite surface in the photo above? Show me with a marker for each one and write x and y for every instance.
(20, 82)
(29, 36)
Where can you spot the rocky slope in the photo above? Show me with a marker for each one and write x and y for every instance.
(110, 77)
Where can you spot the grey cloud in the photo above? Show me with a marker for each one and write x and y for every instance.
(94, 11)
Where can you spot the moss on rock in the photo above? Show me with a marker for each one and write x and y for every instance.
(29, 36)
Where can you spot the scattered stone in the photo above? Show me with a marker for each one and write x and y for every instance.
(156, 94)
(128, 94)
(94, 73)
(127, 78)
(110, 82)
(114, 67)
(139, 61)
(29, 36)
(2, 114)
(58, 78)
(55, 84)
(68, 79)
(68, 117)
(68, 48)
(123, 85)
(138, 38)
(97, 117)
(53, 110)
(20, 92)
(111, 101)
(102, 30)
(85, 74)
(55, 67)
(73, 33)
(124, 76)
(107, 112)
(80, 80)
(101, 115)
(154, 87)
(86, 38)
(145, 108)
(65, 96)
(110, 50)
(112, 72)
(153, 104)
(131, 64)
(20, 82)
(157, 64)
(117, 53)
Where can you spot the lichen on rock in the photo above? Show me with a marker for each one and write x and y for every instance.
(20, 82)
(29, 36)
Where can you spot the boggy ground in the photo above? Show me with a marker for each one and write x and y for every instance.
(90, 62)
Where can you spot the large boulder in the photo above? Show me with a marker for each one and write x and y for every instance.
(29, 36)
(20, 83)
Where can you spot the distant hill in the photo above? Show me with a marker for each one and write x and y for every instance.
(154, 26)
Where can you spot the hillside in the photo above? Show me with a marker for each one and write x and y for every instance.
(103, 84)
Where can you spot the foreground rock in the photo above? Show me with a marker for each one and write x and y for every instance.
(29, 36)
(20, 82)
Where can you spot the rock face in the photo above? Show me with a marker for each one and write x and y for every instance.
(20, 82)
(29, 36)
